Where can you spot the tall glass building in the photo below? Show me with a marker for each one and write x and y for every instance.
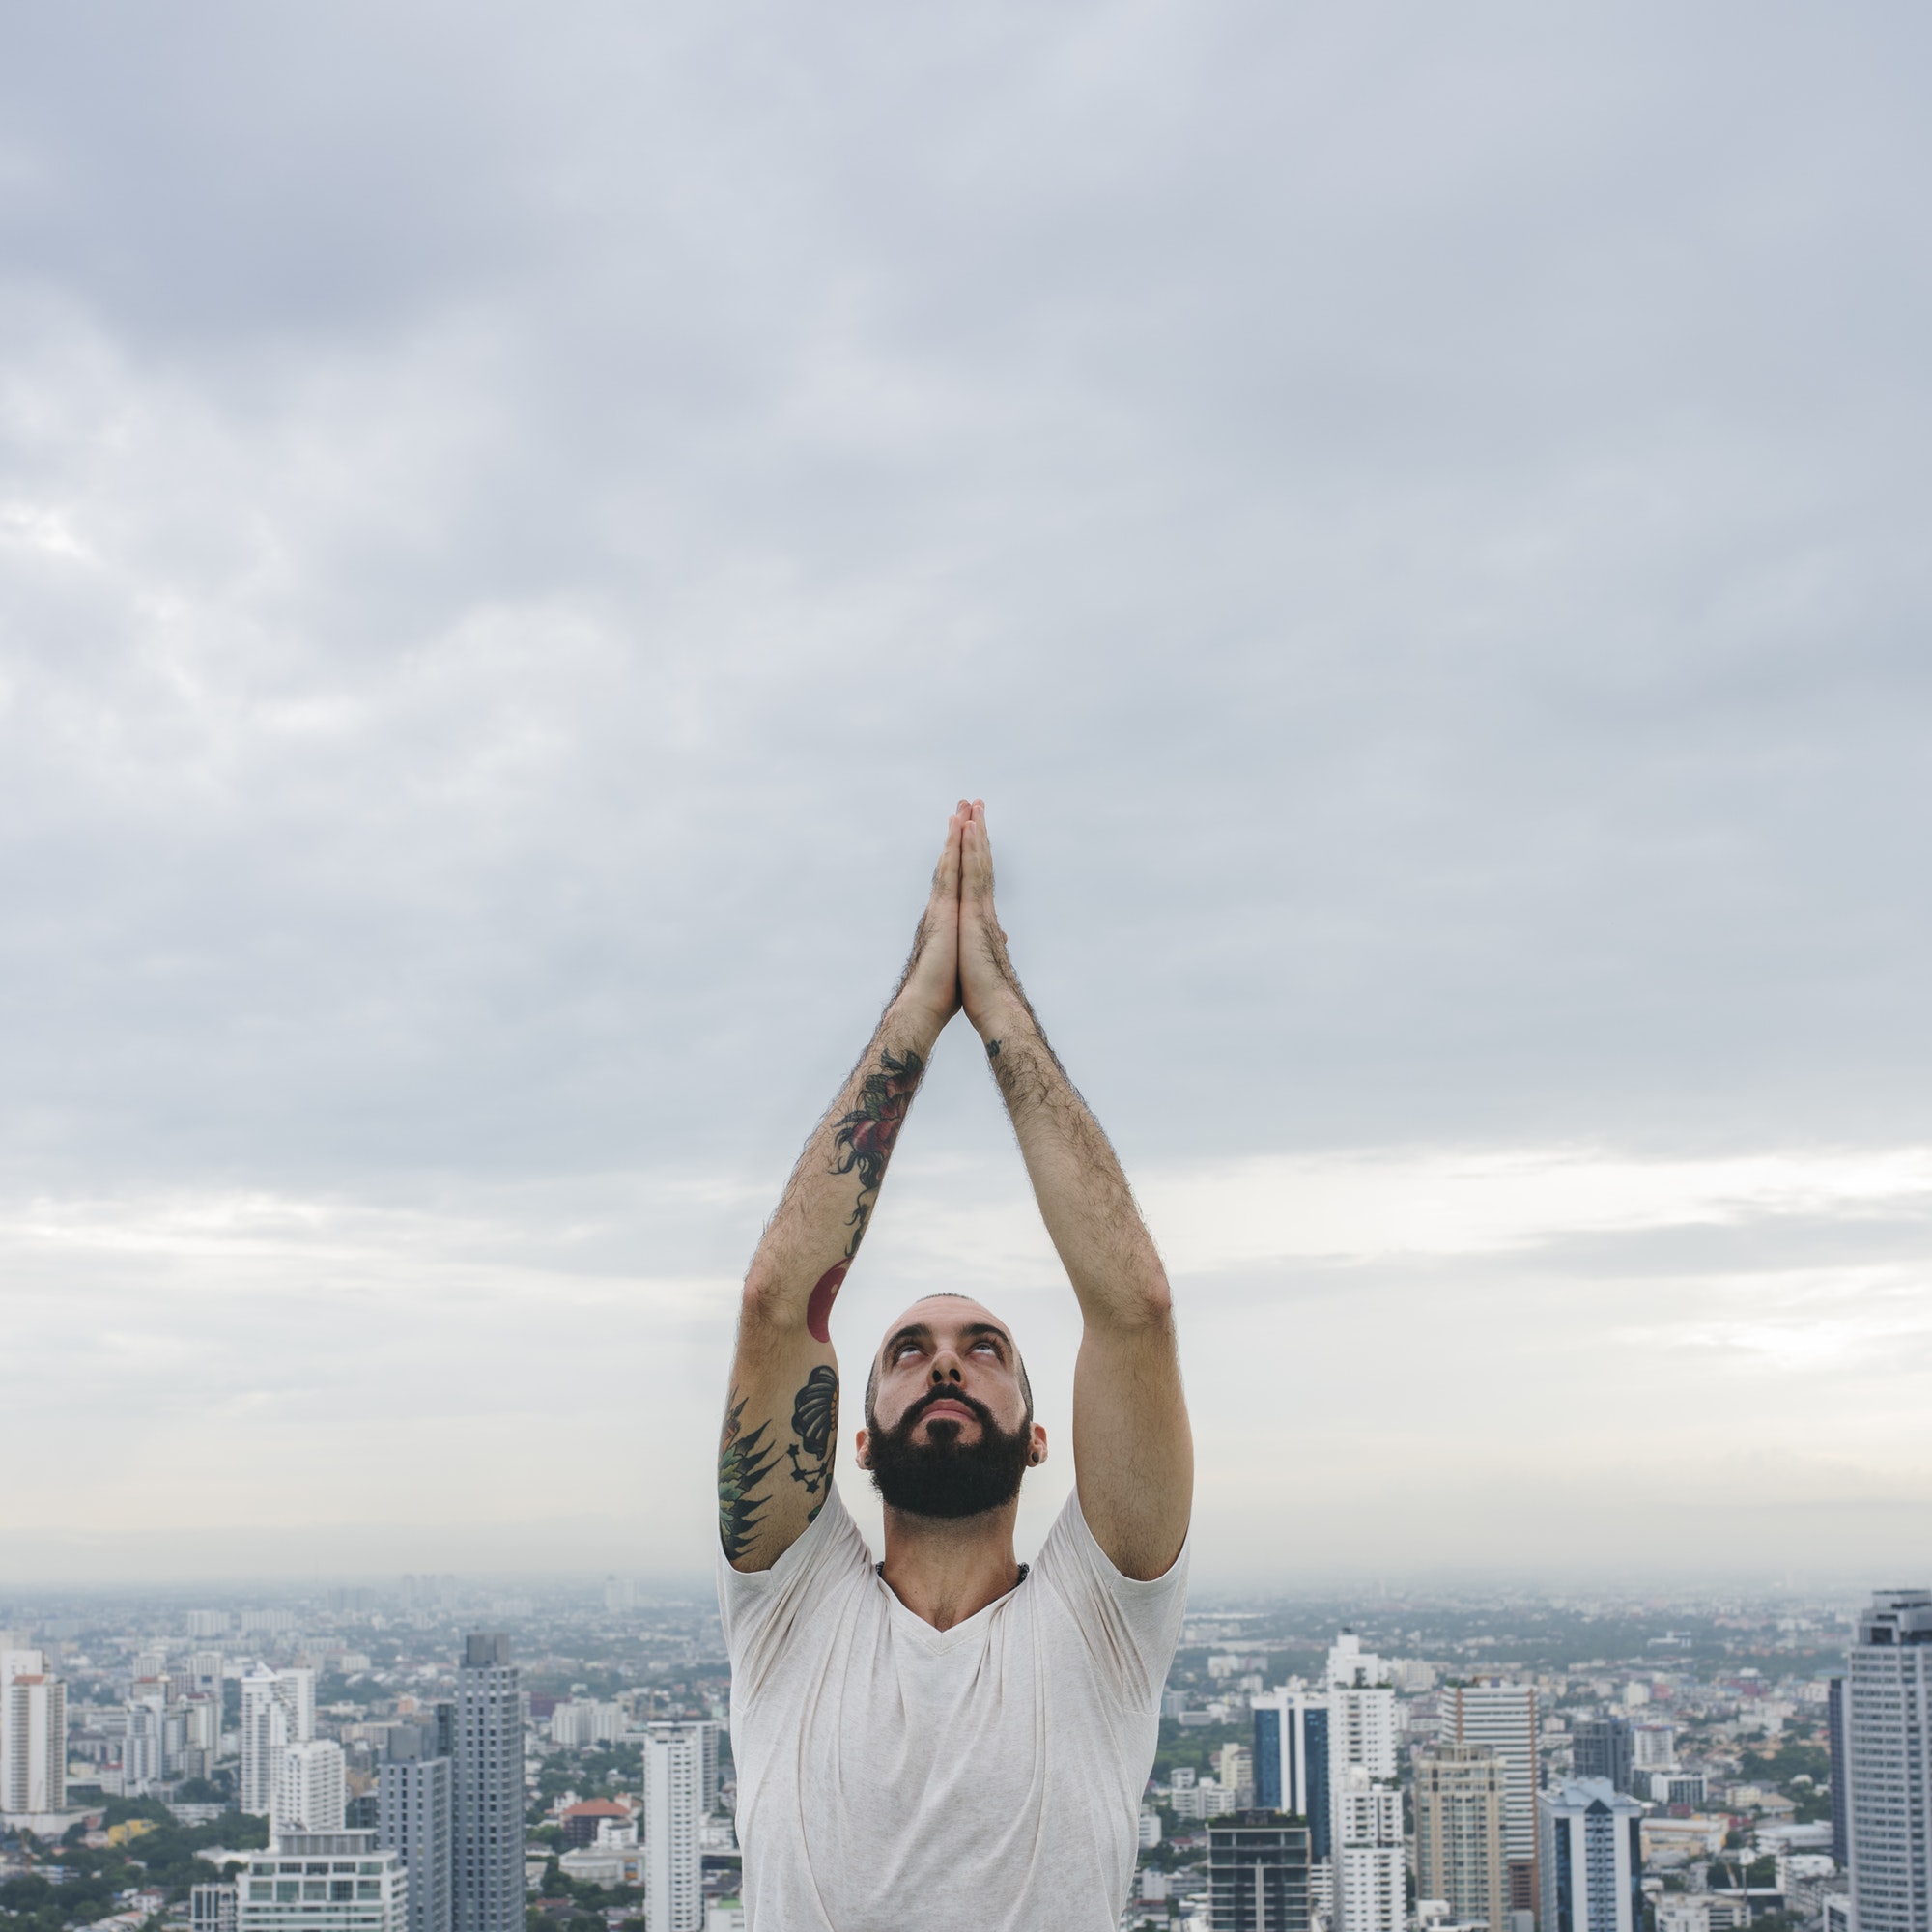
(1887, 1751)
(488, 1763)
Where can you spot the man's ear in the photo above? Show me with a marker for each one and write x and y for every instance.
(859, 1442)
(1037, 1450)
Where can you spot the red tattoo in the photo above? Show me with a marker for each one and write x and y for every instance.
(818, 1310)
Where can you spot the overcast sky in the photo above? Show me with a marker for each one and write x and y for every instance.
(517, 525)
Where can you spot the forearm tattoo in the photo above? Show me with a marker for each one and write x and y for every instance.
(744, 1462)
(865, 1139)
(747, 1457)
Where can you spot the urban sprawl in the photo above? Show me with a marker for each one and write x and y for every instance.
(438, 1758)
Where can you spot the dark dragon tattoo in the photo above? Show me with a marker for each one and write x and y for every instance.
(747, 1457)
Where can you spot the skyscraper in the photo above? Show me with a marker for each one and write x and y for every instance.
(278, 1711)
(673, 1788)
(1889, 1763)
(1366, 1818)
(1834, 1738)
(311, 1789)
(32, 1742)
(414, 1799)
(1600, 1748)
(1591, 1858)
(1291, 1760)
(1459, 1833)
(1364, 1807)
(1503, 1718)
(1257, 1873)
(489, 1788)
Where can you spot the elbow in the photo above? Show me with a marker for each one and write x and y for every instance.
(762, 1303)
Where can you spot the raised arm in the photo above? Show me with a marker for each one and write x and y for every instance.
(1133, 1453)
(782, 1416)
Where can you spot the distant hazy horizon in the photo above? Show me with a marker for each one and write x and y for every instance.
(515, 529)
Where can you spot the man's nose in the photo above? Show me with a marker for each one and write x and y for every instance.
(946, 1367)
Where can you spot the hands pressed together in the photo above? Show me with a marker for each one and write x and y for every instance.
(959, 954)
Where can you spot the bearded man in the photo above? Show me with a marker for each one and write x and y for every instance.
(949, 1740)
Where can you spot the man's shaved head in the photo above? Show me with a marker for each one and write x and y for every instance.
(898, 1327)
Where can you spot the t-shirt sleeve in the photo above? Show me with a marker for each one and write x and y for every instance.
(1130, 1627)
(761, 1610)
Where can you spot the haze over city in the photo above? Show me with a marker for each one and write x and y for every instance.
(514, 530)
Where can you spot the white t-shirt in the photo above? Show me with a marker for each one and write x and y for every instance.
(894, 1778)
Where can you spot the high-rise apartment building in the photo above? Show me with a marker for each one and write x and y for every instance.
(143, 1759)
(1602, 1748)
(1834, 1738)
(1257, 1873)
(1888, 1717)
(278, 1711)
(1459, 1833)
(1502, 1718)
(33, 1740)
(312, 1787)
(324, 1882)
(415, 1812)
(673, 1790)
(207, 1623)
(1361, 1710)
(1369, 1895)
(1591, 1858)
(1291, 1760)
(212, 1908)
(488, 1762)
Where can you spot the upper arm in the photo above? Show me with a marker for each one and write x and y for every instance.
(781, 1431)
(1133, 1451)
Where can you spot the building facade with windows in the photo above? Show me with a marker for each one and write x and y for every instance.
(323, 1882)
(1459, 1833)
(487, 1759)
(674, 1799)
(414, 1818)
(1258, 1864)
(1591, 1858)
(1502, 1718)
(1887, 1751)
(1291, 1754)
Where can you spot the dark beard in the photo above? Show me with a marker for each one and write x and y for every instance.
(944, 1476)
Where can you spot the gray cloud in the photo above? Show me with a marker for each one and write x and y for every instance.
(513, 532)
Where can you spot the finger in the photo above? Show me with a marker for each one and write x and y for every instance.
(946, 874)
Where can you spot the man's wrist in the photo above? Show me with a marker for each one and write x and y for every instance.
(1006, 1020)
(914, 1021)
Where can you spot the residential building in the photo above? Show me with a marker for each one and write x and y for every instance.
(1236, 1765)
(1369, 1865)
(1675, 1787)
(278, 1711)
(212, 1908)
(142, 1757)
(673, 1791)
(1290, 1757)
(33, 1740)
(1889, 1763)
(1654, 1747)
(312, 1788)
(1502, 1718)
(1459, 1833)
(488, 1764)
(1841, 1783)
(1257, 1873)
(324, 1882)
(1602, 1748)
(1361, 1710)
(1590, 1857)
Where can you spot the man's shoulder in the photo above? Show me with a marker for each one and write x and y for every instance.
(814, 1578)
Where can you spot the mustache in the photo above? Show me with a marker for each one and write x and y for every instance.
(910, 1419)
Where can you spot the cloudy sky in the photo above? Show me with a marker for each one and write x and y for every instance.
(517, 525)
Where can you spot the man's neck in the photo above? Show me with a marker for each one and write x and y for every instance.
(947, 1569)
